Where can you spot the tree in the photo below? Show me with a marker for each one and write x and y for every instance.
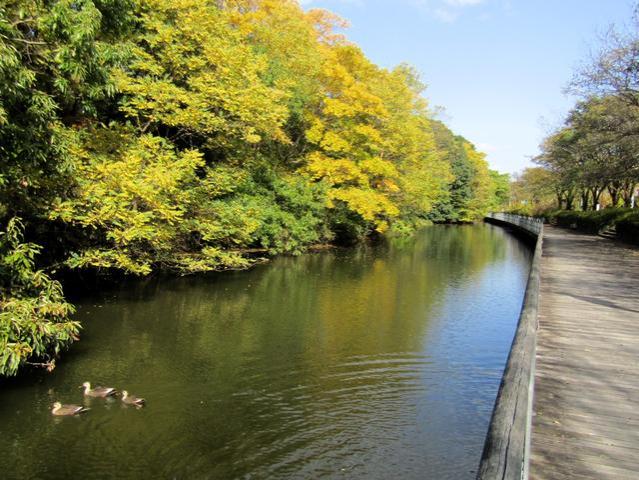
(533, 190)
(596, 151)
(614, 69)
(138, 135)
(195, 80)
(34, 317)
(501, 190)
(54, 76)
(605, 121)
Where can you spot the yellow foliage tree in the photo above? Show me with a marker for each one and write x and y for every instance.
(195, 73)
(345, 131)
(148, 206)
(409, 143)
(483, 186)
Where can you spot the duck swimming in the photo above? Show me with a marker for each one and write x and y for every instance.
(59, 409)
(131, 400)
(97, 391)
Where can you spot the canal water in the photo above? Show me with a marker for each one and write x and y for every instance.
(369, 363)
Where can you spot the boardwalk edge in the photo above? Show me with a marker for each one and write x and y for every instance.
(506, 451)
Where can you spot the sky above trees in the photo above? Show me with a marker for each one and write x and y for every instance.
(498, 66)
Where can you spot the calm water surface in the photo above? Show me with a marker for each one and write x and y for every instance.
(376, 362)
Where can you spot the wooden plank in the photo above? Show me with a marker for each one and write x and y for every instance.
(564, 467)
(586, 402)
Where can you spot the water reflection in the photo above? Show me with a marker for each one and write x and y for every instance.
(375, 362)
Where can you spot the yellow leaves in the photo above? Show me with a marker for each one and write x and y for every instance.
(368, 133)
(348, 131)
(200, 71)
(140, 180)
(337, 107)
(283, 31)
(135, 193)
(211, 258)
(100, 258)
(378, 167)
(482, 184)
(352, 187)
(421, 187)
(315, 132)
(334, 171)
(251, 137)
(333, 142)
(195, 72)
(372, 206)
(325, 24)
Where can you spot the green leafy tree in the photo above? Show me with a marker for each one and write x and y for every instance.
(55, 61)
(34, 323)
(453, 206)
(501, 190)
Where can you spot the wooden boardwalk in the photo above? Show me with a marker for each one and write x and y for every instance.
(586, 402)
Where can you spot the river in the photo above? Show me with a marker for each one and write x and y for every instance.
(373, 362)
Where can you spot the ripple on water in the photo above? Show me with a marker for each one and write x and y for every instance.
(354, 403)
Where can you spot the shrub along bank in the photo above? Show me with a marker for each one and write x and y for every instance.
(625, 220)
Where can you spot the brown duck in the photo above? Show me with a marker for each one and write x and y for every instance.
(59, 409)
(131, 400)
(97, 391)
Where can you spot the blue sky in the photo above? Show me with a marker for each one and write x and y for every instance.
(498, 67)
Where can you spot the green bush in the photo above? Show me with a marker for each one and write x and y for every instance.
(34, 324)
(291, 213)
(525, 210)
(628, 228)
(590, 222)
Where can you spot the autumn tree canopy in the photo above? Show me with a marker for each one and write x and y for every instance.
(138, 135)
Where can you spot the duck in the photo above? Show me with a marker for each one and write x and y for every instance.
(97, 391)
(59, 409)
(131, 400)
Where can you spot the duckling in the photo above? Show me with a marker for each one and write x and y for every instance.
(59, 409)
(97, 391)
(131, 400)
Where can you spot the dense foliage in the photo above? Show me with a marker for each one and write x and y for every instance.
(473, 188)
(624, 220)
(34, 322)
(589, 221)
(181, 134)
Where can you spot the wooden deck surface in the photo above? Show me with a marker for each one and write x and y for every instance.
(586, 401)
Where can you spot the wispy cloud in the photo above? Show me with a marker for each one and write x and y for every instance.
(447, 11)
(463, 3)
(450, 10)
(445, 15)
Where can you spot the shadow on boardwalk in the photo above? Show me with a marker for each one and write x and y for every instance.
(586, 407)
